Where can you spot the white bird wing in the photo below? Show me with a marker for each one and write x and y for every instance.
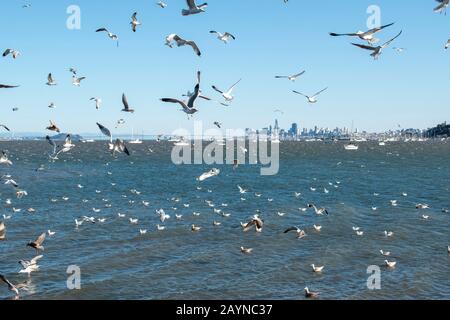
(233, 86)
(390, 41)
(318, 93)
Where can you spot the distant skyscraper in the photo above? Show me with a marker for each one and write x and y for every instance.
(294, 130)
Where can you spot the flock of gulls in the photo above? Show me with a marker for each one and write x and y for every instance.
(254, 223)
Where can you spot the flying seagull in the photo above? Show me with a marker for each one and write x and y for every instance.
(98, 102)
(367, 36)
(189, 107)
(161, 4)
(50, 81)
(134, 22)
(225, 37)
(181, 42)
(53, 127)
(13, 52)
(291, 78)
(228, 94)
(37, 244)
(193, 8)
(376, 51)
(110, 34)
(77, 81)
(119, 146)
(447, 45)
(4, 127)
(126, 107)
(11, 287)
(311, 99)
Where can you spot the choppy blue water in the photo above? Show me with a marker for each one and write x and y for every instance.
(118, 263)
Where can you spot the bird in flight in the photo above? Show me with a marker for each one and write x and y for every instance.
(376, 51)
(227, 95)
(291, 78)
(366, 36)
(225, 37)
(134, 22)
(311, 99)
(193, 8)
(182, 42)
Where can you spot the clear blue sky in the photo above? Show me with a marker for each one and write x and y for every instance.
(272, 38)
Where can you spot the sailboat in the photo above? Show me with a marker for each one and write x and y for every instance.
(135, 141)
(351, 146)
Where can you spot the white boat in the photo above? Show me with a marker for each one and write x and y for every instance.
(351, 147)
(135, 141)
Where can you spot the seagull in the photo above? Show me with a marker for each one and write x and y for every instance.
(13, 52)
(162, 215)
(385, 253)
(255, 221)
(182, 42)
(391, 264)
(77, 81)
(448, 249)
(50, 81)
(389, 234)
(319, 211)
(376, 51)
(317, 269)
(134, 221)
(4, 159)
(442, 7)
(300, 233)
(110, 35)
(189, 107)
(217, 124)
(292, 78)
(193, 8)
(11, 287)
(311, 99)
(195, 228)
(225, 37)
(317, 228)
(160, 228)
(52, 106)
(246, 250)
(447, 45)
(11, 182)
(161, 4)
(143, 232)
(53, 127)
(309, 294)
(227, 95)
(119, 146)
(30, 266)
(241, 190)
(2, 231)
(367, 36)
(98, 102)
(50, 233)
(37, 244)
(125, 104)
(134, 22)
(422, 206)
(209, 174)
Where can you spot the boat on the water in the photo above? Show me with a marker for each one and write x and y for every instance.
(351, 147)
